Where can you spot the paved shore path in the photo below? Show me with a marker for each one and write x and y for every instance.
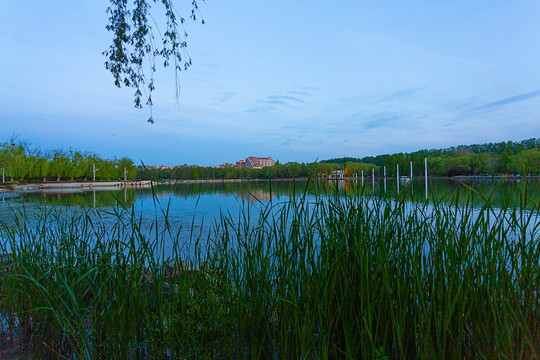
(77, 185)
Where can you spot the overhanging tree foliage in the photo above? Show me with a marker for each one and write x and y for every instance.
(141, 40)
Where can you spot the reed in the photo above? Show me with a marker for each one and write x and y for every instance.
(315, 277)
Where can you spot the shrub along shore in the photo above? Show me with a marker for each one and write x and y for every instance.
(342, 276)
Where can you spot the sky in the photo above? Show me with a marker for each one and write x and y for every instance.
(296, 80)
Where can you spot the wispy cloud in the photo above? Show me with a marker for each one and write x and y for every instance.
(509, 100)
(402, 94)
(287, 142)
(286, 98)
(223, 97)
(305, 93)
(278, 102)
(379, 122)
(261, 109)
(308, 88)
(368, 121)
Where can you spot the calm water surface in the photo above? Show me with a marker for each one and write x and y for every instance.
(195, 207)
(207, 200)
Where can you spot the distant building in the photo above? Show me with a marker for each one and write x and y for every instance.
(338, 174)
(159, 167)
(226, 165)
(254, 162)
(240, 164)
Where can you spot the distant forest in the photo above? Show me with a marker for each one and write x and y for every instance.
(22, 162)
(493, 158)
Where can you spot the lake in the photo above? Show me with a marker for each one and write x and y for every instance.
(193, 204)
(207, 199)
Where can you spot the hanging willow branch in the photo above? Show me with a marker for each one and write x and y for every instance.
(134, 51)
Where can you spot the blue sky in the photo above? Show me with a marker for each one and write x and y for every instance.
(295, 80)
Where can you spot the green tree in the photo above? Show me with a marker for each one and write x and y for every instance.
(60, 164)
(505, 161)
(43, 164)
(14, 159)
(77, 165)
(131, 169)
(527, 162)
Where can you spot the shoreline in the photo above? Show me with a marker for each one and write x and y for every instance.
(204, 181)
(73, 185)
(148, 183)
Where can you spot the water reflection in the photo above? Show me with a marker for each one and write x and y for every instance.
(263, 191)
(86, 197)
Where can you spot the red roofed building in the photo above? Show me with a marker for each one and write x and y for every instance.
(254, 162)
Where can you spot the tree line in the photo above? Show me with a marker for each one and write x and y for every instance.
(479, 159)
(21, 161)
(278, 171)
(185, 172)
(492, 158)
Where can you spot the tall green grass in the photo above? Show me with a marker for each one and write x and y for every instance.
(315, 277)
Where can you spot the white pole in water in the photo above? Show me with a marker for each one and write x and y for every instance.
(412, 187)
(425, 174)
(3, 176)
(125, 174)
(397, 176)
(373, 178)
(362, 177)
(384, 176)
(94, 191)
